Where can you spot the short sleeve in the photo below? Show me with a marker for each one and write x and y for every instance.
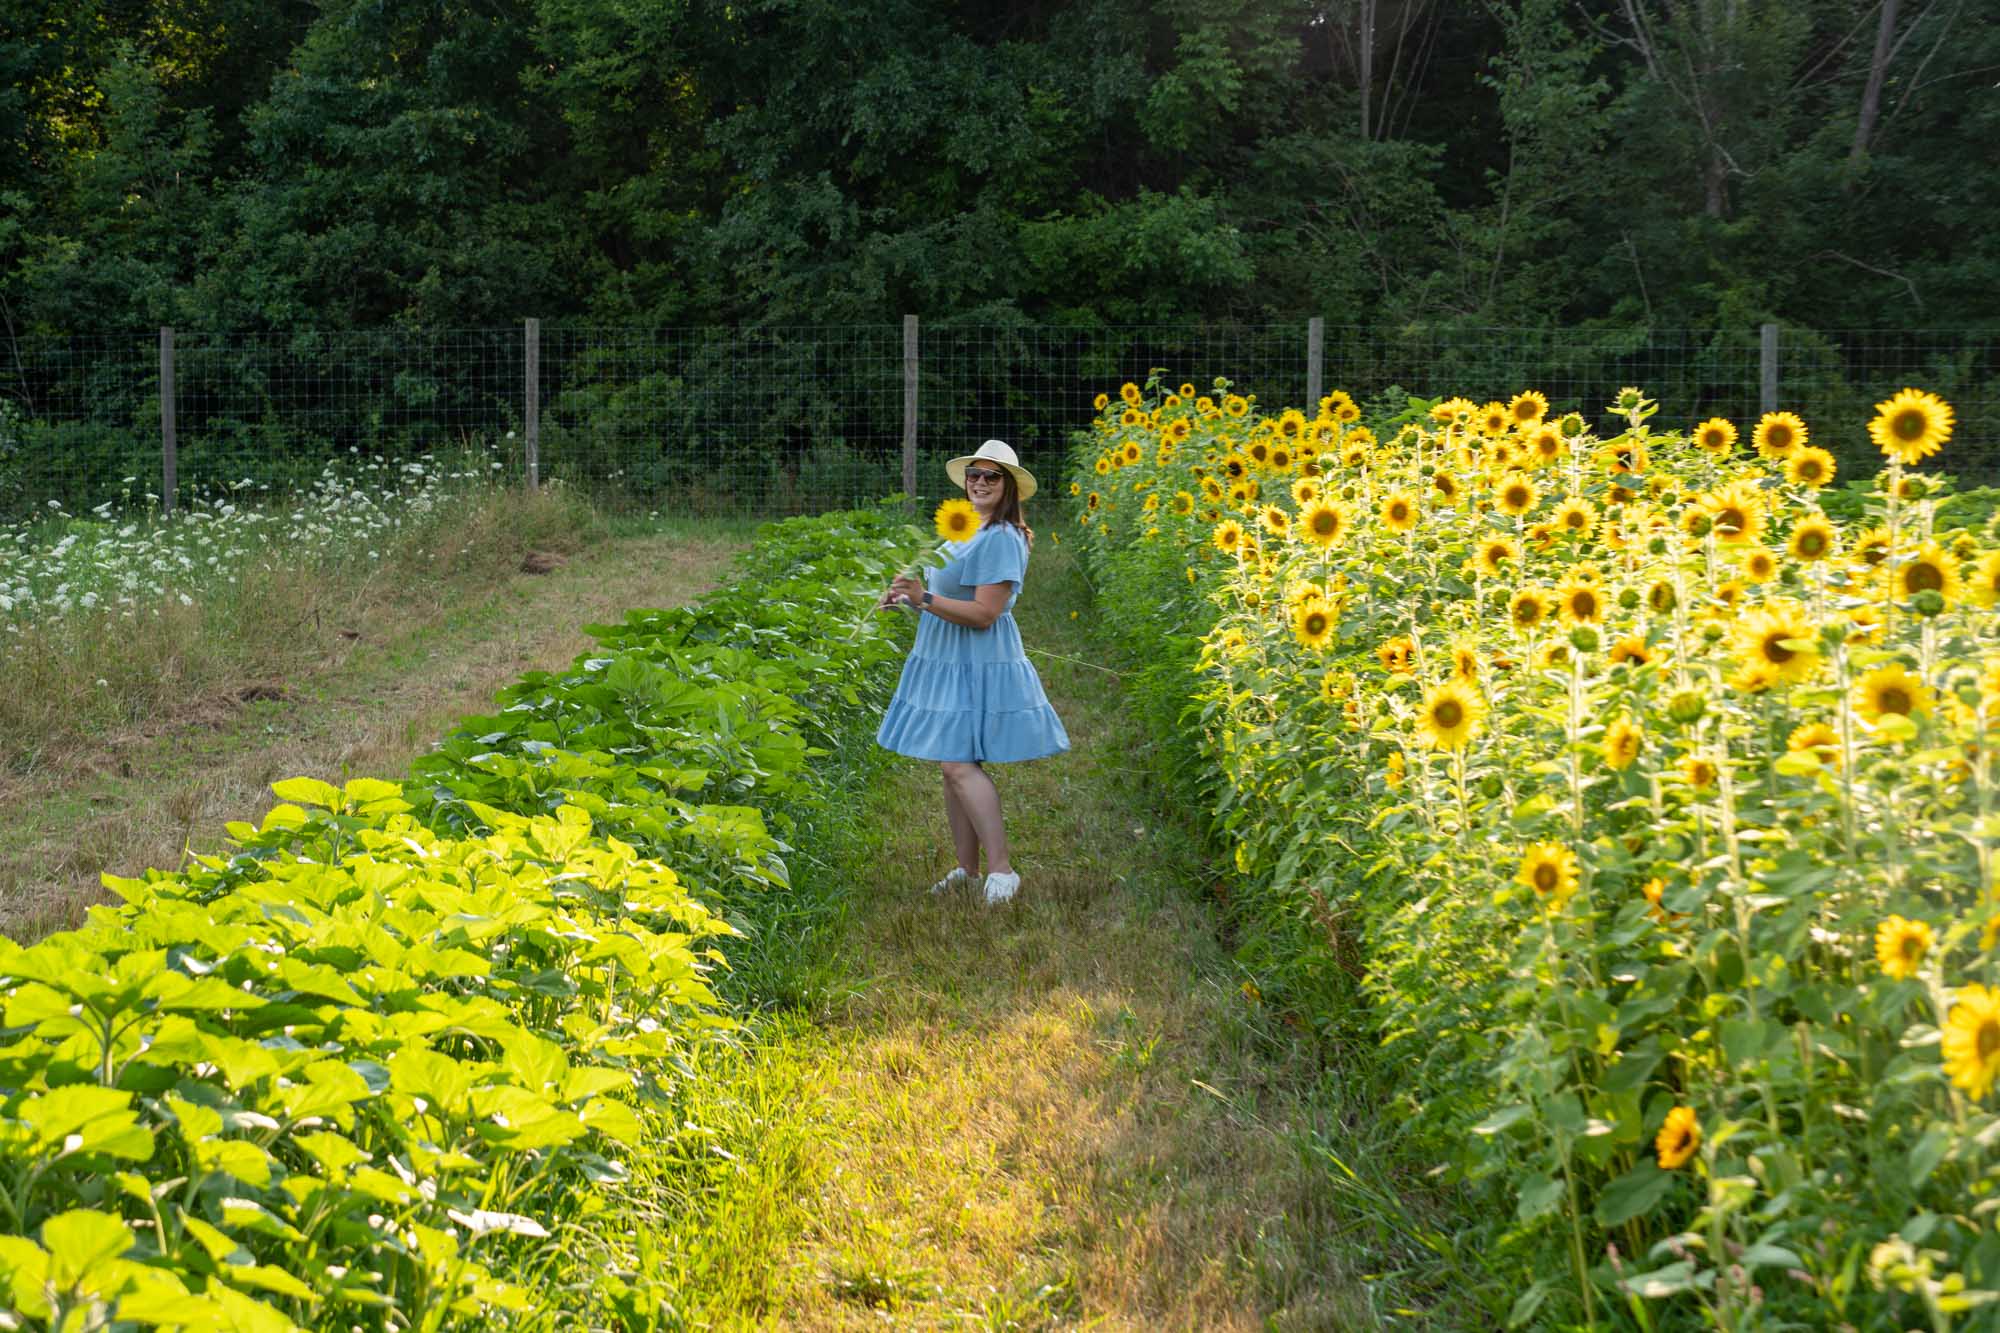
(999, 556)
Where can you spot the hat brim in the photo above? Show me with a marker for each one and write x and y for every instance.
(1024, 480)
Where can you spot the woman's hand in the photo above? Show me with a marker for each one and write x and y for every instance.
(906, 589)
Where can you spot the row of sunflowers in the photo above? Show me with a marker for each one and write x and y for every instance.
(1648, 792)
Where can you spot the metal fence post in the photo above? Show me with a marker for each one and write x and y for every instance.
(1315, 361)
(169, 459)
(910, 405)
(532, 406)
(1767, 388)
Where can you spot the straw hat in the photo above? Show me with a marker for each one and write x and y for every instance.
(993, 451)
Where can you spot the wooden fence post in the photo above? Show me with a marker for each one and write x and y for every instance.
(169, 449)
(1767, 389)
(1315, 363)
(910, 405)
(532, 406)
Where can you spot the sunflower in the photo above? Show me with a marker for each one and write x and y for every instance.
(1446, 486)
(1699, 772)
(1395, 655)
(1312, 624)
(1092, 500)
(1131, 416)
(1931, 569)
(1496, 552)
(1811, 467)
(1911, 426)
(1205, 406)
(1492, 419)
(1076, 488)
(1515, 493)
(1228, 536)
(1760, 566)
(1528, 407)
(1332, 689)
(1182, 504)
(1729, 592)
(1552, 655)
(1737, 512)
(1816, 738)
(1186, 391)
(1716, 435)
(1971, 1043)
(1305, 490)
(1259, 453)
(1872, 547)
(1102, 401)
(1678, 1138)
(1580, 600)
(1779, 639)
(1544, 445)
(1465, 663)
(1344, 409)
(1900, 946)
(1528, 608)
(1630, 650)
(1131, 393)
(1662, 597)
(1449, 411)
(1322, 523)
(1399, 511)
(1984, 585)
(1778, 434)
(1451, 713)
(1179, 431)
(1550, 869)
(1575, 517)
(1131, 453)
(956, 520)
(1291, 423)
(1236, 405)
(1623, 740)
(1103, 465)
(1280, 459)
(1211, 490)
(1277, 520)
(1393, 769)
(1242, 492)
(1891, 689)
(1812, 540)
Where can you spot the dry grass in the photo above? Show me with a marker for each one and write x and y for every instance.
(356, 684)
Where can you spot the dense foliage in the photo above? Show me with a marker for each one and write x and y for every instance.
(1641, 785)
(240, 164)
(383, 1064)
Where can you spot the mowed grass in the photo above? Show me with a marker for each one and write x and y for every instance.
(1066, 1110)
(343, 679)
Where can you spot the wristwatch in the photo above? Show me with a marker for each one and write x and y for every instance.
(927, 597)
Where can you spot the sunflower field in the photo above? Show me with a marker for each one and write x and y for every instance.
(1638, 781)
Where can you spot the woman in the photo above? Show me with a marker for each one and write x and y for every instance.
(968, 695)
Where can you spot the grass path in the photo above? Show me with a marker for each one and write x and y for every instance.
(1062, 1111)
(404, 672)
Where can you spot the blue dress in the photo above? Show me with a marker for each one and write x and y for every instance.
(971, 694)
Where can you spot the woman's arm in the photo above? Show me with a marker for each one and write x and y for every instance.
(986, 605)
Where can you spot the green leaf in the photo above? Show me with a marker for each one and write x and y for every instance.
(1929, 1151)
(1539, 1194)
(1504, 1118)
(308, 791)
(81, 1240)
(1633, 1194)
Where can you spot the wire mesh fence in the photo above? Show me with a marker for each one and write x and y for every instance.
(775, 420)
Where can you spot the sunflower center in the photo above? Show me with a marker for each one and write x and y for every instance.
(1325, 524)
(1812, 543)
(1989, 1039)
(1779, 438)
(1909, 424)
(1517, 497)
(1773, 647)
(1399, 511)
(1547, 876)
(1448, 714)
(1316, 624)
(1912, 948)
(1584, 604)
(1730, 519)
(1924, 577)
(1893, 699)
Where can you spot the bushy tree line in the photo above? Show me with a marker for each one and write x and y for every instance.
(286, 164)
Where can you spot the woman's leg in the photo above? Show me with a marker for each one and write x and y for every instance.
(977, 797)
(964, 839)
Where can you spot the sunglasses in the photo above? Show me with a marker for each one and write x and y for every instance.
(980, 474)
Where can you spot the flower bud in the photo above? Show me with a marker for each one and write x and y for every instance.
(1584, 638)
(1687, 706)
(1628, 598)
(1928, 603)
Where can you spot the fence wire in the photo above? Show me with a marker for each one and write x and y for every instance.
(789, 419)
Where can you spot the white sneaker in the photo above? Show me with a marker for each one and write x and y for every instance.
(957, 879)
(999, 888)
